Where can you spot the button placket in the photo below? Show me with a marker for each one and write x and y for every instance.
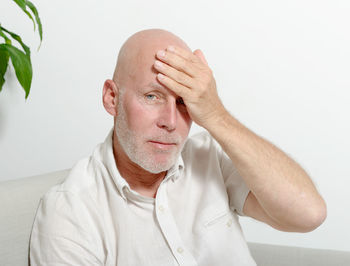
(170, 230)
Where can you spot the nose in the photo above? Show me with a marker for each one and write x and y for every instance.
(168, 116)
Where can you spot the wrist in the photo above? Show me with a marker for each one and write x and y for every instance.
(217, 119)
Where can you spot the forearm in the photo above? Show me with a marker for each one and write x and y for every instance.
(281, 186)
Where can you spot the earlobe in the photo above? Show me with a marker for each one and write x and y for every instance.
(110, 97)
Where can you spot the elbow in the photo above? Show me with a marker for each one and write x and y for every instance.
(315, 217)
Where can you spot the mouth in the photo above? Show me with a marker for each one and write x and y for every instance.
(162, 145)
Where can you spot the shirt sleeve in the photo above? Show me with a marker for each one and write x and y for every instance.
(237, 189)
(60, 233)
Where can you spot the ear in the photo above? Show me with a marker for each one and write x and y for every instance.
(110, 97)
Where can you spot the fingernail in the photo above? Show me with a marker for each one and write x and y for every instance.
(171, 48)
(158, 63)
(161, 53)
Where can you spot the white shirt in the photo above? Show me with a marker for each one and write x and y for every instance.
(94, 218)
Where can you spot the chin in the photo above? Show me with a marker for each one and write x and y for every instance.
(156, 169)
(158, 165)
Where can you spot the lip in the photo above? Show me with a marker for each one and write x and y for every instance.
(162, 145)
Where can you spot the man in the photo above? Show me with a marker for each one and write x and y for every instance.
(147, 196)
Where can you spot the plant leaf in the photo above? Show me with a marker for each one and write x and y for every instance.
(4, 60)
(23, 6)
(2, 34)
(18, 39)
(22, 64)
(37, 19)
(21, 3)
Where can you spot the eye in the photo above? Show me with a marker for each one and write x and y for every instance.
(180, 101)
(181, 105)
(150, 97)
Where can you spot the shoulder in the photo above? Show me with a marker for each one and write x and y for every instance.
(66, 208)
(201, 143)
(88, 171)
(78, 188)
(83, 183)
(67, 195)
(59, 202)
(64, 226)
(201, 148)
(201, 140)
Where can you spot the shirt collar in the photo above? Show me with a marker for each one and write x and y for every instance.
(176, 170)
(109, 161)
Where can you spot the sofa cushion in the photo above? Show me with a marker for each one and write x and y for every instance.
(269, 255)
(18, 203)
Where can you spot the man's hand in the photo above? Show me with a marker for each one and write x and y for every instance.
(189, 76)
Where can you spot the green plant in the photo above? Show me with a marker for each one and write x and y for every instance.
(20, 58)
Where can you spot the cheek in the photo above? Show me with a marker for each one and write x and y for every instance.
(184, 124)
(138, 116)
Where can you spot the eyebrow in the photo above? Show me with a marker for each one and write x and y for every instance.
(157, 86)
(160, 88)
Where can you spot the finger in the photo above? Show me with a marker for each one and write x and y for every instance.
(200, 55)
(186, 54)
(174, 86)
(174, 74)
(178, 62)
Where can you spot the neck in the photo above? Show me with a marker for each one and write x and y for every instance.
(139, 179)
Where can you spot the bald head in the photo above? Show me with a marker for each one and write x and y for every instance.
(137, 55)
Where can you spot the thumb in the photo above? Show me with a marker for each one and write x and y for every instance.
(200, 54)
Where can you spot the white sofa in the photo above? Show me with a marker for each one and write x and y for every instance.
(19, 199)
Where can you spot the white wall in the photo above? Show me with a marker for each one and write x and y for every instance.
(282, 68)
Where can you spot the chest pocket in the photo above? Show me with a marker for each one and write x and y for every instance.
(216, 215)
(221, 217)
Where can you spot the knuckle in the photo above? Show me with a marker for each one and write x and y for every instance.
(185, 65)
(184, 68)
(206, 79)
(183, 79)
(179, 77)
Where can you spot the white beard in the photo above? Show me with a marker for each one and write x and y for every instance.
(134, 145)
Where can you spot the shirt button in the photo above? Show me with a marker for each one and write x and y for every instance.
(180, 250)
(229, 223)
(161, 208)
